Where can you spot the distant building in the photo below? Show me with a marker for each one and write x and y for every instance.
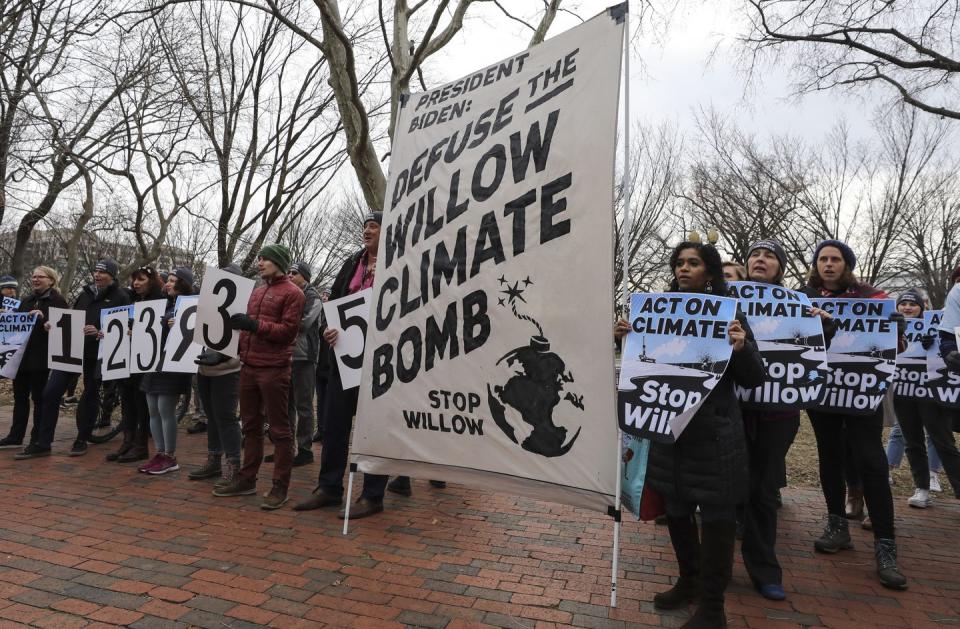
(49, 247)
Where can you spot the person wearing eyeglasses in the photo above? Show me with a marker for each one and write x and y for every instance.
(32, 374)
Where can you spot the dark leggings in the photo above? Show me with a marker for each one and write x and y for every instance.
(218, 397)
(864, 436)
(136, 415)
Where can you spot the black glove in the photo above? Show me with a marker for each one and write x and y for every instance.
(244, 322)
(901, 323)
(927, 341)
(953, 361)
(210, 358)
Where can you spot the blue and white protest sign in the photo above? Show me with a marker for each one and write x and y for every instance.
(943, 383)
(790, 340)
(9, 304)
(862, 356)
(912, 373)
(15, 330)
(675, 354)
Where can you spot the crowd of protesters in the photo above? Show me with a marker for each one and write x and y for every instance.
(725, 469)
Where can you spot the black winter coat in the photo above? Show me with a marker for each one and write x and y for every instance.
(92, 301)
(164, 382)
(35, 355)
(708, 462)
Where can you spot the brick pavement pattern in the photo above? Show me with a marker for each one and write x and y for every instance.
(84, 543)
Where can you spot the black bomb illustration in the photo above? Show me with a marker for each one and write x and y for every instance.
(536, 389)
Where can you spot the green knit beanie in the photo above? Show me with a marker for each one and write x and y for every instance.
(278, 254)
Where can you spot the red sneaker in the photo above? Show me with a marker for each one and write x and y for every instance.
(167, 464)
(152, 463)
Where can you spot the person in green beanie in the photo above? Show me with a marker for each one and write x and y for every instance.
(267, 334)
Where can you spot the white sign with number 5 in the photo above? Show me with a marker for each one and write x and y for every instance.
(65, 348)
(222, 295)
(349, 315)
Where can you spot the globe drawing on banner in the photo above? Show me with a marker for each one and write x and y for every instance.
(534, 391)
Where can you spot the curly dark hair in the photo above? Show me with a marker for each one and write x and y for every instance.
(156, 282)
(711, 258)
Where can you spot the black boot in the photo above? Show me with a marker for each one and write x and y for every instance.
(885, 550)
(716, 567)
(124, 447)
(686, 545)
(836, 536)
(139, 451)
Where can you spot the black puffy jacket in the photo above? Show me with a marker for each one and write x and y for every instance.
(708, 462)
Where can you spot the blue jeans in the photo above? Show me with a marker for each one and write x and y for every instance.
(896, 446)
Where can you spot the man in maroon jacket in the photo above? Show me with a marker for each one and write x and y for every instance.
(268, 332)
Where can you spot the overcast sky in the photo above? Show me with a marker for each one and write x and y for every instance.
(672, 73)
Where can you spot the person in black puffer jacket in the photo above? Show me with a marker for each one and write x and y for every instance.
(32, 374)
(163, 389)
(707, 465)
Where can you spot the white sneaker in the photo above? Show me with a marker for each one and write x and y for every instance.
(934, 482)
(920, 499)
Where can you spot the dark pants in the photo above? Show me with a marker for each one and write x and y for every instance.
(914, 415)
(57, 384)
(136, 415)
(864, 434)
(322, 380)
(708, 512)
(264, 391)
(218, 396)
(300, 407)
(27, 387)
(767, 446)
(339, 408)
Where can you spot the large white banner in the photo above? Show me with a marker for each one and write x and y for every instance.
(489, 356)
(350, 315)
(222, 295)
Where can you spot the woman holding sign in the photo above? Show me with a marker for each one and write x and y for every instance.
(163, 389)
(102, 293)
(707, 465)
(916, 414)
(770, 433)
(831, 275)
(33, 372)
(145, 285)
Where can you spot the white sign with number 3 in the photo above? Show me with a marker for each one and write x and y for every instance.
(65, 348)
(349, 315)
(222, 295)
(147, 335)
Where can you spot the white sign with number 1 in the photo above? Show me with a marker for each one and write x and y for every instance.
(349, 315)
(222, 295)
(65, 348)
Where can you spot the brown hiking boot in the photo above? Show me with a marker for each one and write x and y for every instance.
(239, 487)
(209, 469)
(228, 473)
(276, 498)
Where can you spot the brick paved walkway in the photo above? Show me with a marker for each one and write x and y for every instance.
(85, 543)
